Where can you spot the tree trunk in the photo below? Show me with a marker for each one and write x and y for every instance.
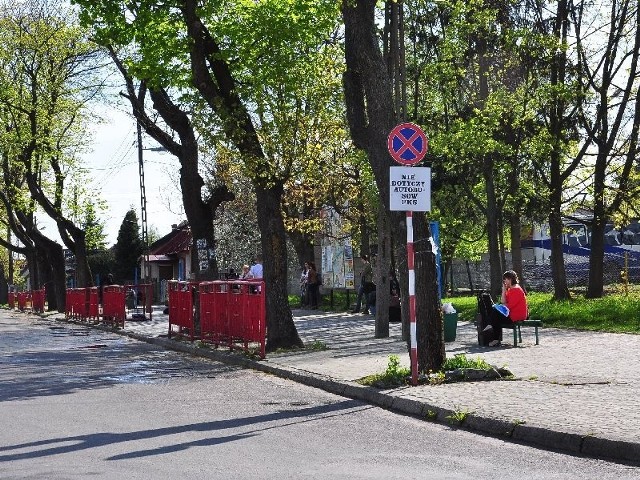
(596, 258)
(495, 266)
(281, 331)
(515, 227)
(431, 351)
(557, 123)
(370, 112)
(558, 271)
(4, 286)
(303, 246)
(383, 264)
(53, 275)
(53, 271)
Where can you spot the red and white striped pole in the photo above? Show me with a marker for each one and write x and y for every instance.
(412, 300)
(407, 145)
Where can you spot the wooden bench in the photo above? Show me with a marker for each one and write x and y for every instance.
(517, 334)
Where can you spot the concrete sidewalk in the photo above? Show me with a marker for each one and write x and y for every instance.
(576, 391)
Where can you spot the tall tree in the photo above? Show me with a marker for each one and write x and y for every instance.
(48, 76)
(127, 249)
(368, 95)
(610, 116)
(235, 52)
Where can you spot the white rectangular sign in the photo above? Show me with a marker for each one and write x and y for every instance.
(410, 189)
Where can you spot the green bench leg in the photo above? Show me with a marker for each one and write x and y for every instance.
(537, 343)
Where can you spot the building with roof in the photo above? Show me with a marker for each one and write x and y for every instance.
(170, 256)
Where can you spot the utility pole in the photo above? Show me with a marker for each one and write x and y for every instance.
(143, 204)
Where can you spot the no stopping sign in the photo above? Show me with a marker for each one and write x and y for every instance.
(407, 144)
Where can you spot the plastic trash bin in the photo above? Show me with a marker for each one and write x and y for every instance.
(450, 326)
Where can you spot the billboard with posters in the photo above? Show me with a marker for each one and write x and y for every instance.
(337, 253)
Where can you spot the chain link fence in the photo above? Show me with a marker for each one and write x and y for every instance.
(470, 276)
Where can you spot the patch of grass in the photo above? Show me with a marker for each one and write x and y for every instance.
(458, 416)
(340, 303)
(461, 361)
(615, 312)
(437, 378)
(393, 376)
(317, 346)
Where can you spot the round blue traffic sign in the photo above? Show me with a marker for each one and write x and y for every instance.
(407, 143)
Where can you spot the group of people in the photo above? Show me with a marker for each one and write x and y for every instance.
(367, 292)
(310, 286)
(253, 272)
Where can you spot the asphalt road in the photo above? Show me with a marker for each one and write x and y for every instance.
(77, 403)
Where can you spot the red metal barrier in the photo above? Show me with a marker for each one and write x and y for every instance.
(12, 300)
(68, 303)
(24, 301)
(214, 321)
(93, 303)
(233, 313)
(113, 309)
(38, 299)
(76, 306)
(181, 314)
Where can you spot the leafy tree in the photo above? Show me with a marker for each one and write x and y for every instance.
(47, 77)
(127, 249)
(238, 54)
(610, 114)
(102, 263)
(94, 229)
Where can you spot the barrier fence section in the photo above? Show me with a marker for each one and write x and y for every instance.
(113, 308)
(181, 311)
(12, 300)
(84, 304)
(38, 298)
(24, 300)
(233, 313)
(75, 304)
(92, 300)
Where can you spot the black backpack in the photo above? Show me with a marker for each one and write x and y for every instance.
(485, 310)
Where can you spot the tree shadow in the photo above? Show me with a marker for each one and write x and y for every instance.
(62, 445)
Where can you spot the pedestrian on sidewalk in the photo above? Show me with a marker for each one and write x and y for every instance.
(304, 278)
(313, 286)
(366, 284)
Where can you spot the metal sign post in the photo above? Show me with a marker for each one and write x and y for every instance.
(410, 190)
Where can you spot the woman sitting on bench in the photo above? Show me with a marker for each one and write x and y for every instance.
(514, 298)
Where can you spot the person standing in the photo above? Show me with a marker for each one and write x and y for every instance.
(244, 275)
(366, 283)
(255, 272)
(313, 286)
(304, 277)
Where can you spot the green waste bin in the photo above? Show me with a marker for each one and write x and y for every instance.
(450, 326)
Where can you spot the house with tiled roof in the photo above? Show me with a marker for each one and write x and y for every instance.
(170, 256)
